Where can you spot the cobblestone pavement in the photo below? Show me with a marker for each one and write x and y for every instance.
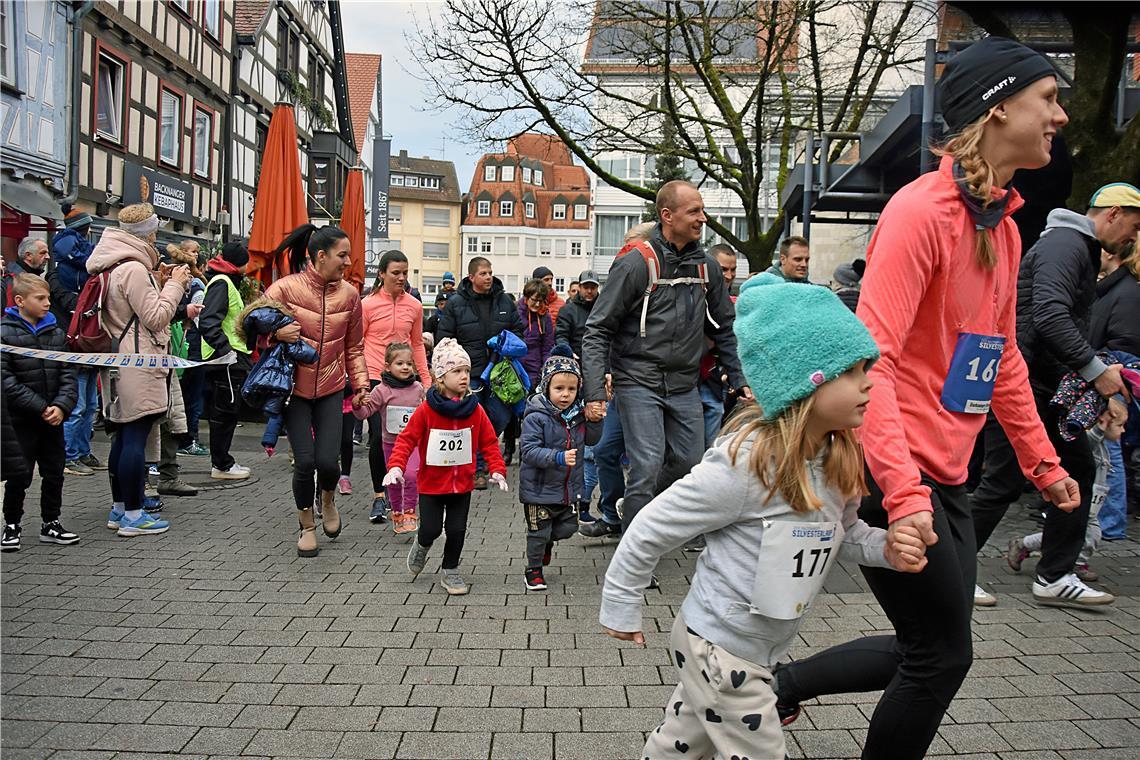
(216, 640)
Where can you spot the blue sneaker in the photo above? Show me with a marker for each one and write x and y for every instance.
(152, 504)
(114, 518)
(144, 526)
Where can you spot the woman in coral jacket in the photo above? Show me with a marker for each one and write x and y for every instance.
(939, 298)
(329, 318)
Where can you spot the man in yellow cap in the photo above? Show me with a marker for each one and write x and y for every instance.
(1056, 288)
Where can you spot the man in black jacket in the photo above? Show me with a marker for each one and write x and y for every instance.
(571, 326)
(1056, 289)
(655, 348)
(479, 310)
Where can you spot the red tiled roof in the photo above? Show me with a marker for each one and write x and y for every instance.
(541, 147)
(248, 15)
(361, 70)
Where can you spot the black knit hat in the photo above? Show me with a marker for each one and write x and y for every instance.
(985, 74)
(235, 253)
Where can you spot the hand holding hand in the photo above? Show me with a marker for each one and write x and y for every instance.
(53, 415)
(1109, 382)
(595, 410)
(394, 477)
(637, 637)
(922, 523)
(290, 333)
(571, 456)
(1064, 494)
(746, 393)
(905, 550)
(359, 398)
(498, 479)
(609, 387)
(193, 310)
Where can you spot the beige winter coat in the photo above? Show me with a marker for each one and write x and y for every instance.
(130, 393)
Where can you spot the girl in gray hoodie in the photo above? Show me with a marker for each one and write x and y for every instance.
(776, 499)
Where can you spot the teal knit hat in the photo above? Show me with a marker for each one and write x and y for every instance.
(794, 337)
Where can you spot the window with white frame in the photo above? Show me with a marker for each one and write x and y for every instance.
(609, 232)
(203, 140)
(575, 248)
(526, 174)
(579, 211)
(559, 284)
(473, 245)
(513, 245)
(431, 285)
(431, 183)
(433, 250)
(538, 177)
(508, 173)
(506, 208)
(7, 42)
(110, 104)
(488, 173)
(212, 18)
(559, 246)
(500, 245)
(545, 246)
(511, 283)
(437, 217)
(411, 181)
(182, 5)
(170, 127)
(531, 246)
(529, 207)
(395, 213)
(396, 180)
(483, 208)
(558, 211)
(485, 245)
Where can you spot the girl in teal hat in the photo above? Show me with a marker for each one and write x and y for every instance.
(776, 499)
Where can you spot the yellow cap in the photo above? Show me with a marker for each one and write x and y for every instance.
(1116, 194)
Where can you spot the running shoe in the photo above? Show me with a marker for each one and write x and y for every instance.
(417, 556)
(145, 525)
(344, 486)
(94, 462)
(983, 598)
(453, 583)
(1016, 553)
(11, 540)
(195, 449)
(1069, 591)
(534, 579)
(54, 533)
(76, 467)
(381, 507)
(1086, 573)
(235, 472)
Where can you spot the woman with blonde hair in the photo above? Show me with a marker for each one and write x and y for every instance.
(141, 300)
(939, 298)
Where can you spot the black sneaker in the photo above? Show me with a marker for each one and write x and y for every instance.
(380, 510)
(11, 540)
(790, 711)
(653, 582)
(54, 533)
(600, 529)
(534, 579)
(696, 545)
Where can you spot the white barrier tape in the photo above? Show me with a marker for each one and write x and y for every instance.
(132, 361)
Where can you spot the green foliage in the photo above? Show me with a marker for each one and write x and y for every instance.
(299, 94)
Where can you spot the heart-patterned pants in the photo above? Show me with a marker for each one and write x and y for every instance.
(723, 706)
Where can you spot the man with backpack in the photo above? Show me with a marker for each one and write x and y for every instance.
(651, 320)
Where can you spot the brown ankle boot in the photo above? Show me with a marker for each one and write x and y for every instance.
(330, 517)
(307, 543)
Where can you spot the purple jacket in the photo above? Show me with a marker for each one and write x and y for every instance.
(538, 332)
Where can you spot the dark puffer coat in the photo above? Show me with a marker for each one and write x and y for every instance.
(32, 385)
(544, 434)
(270, 381)
(1056, 287)
(474, 318)
(1116, 314)
(571, 325)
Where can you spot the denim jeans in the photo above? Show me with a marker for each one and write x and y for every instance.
(500, 416)
(77, 427)
(712, 402)
(590, 475)
(1114, 512)
(608, 452)
(664, 440)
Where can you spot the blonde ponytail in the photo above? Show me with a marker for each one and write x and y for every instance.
(965, 148)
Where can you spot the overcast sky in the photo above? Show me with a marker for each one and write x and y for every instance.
(378, 26)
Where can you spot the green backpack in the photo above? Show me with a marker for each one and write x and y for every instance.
(506, 383)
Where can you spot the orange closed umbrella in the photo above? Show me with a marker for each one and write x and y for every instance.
(352, 222)
(280, 204)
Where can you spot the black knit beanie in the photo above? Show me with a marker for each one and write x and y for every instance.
(985, 74)
(235, 253)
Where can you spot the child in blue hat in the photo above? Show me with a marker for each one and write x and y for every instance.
(776, 499)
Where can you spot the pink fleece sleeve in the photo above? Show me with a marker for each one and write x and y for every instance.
(419, 353)
(901, 261)
(1015, 408)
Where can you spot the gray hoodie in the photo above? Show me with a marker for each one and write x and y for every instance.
(726, 503)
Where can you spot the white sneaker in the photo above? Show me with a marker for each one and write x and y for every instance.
(1069, 591)
(236, 472)
(983, 598)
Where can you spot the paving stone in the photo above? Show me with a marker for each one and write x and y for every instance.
(598, 746)
(219, 741)
(444, 746)
(522, 746)
(294, 743)
(373, 745)
(496, 719)
(131, 736)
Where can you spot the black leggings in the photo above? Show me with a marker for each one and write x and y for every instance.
(376, 465)
(314, 429)
(126, 466)
(347, 428)
(434, 510)
(922, 666)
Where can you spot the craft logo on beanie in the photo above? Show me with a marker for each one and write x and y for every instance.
(985, 74)
(793, 337)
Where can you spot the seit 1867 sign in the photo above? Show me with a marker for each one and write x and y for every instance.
(171, 197)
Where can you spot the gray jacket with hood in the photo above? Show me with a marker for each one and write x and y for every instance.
(730, 507)
(667, 360)
(1056, 288)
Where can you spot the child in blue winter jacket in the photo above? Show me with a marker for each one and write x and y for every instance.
(554, 432)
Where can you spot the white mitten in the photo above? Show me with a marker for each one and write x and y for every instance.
(500, 481)
(394, 476)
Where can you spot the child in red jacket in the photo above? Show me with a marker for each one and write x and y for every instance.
(446, 431)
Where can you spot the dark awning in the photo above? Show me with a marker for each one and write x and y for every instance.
(32, 198)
